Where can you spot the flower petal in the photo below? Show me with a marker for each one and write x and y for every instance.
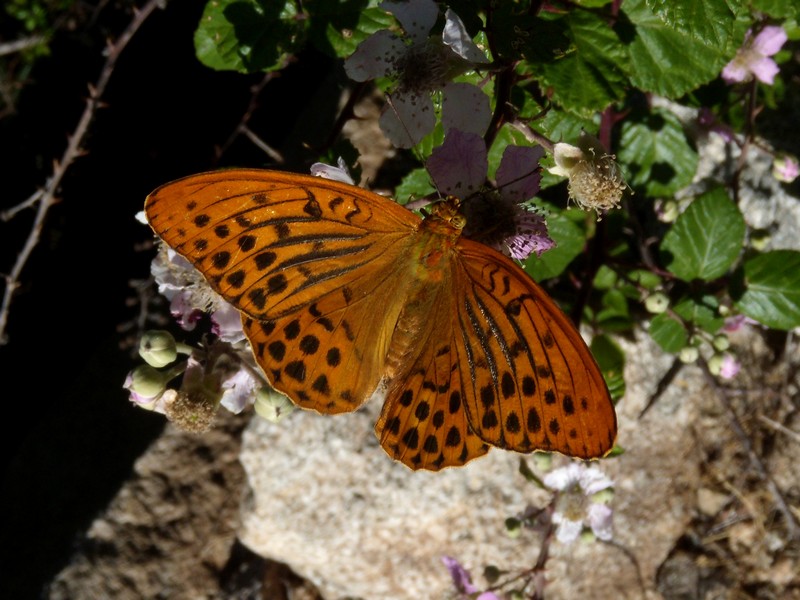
(340, 173)
(600, 521)
(518, 175)
(769, 40)
(461, 578)
(239, 391)
(458, 167)
(375, 57)
(465, 107)
(593, 480)
(532, 236)
(407, 118)
(564, 477)
(764, 69)
(226, 324)
(730, 367)
(455, 36)
(568, 530)
(417, 17)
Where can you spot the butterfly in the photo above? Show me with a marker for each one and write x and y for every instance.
(345, 295)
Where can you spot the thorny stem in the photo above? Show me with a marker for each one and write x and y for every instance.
(47, 196)
(791, 523)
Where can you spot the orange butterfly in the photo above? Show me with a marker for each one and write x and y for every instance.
(345, 294)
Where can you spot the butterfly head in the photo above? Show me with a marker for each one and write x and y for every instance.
(449, 212)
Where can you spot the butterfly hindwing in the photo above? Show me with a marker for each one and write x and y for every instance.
(533, 383)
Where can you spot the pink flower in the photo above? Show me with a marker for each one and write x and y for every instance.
(730, 367)
(736, 322)
(785, 168)
(752, 59)
(495, 217)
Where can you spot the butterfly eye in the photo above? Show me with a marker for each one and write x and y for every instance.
(458, 221)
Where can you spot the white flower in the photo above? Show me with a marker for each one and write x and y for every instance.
(339, 173)
(580, 502)
(421, 64)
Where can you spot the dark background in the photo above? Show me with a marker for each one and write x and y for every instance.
(70, 435)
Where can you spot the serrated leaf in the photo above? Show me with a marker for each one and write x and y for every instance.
(657, 155)
(247, 35)
(772, 289)
(786, 9)
(570, 241)
(611, 359)
(676, 51)
(591, 75)
(669, 333)
(706, 239)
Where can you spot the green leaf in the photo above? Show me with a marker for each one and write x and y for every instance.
(657, 155)
(772, 289)
(570, 241)
(337, 28)
(668, 332)
(611, 359)
(683, 46)
(591, 74)
(786, 9)
(646, 279)
(703, 312)
(614, 315)
(706, 239)
(606, 278)
(417, 184)
(247, 35)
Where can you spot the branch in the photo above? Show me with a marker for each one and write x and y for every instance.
(46, 197)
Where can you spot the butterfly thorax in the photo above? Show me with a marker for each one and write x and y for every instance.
(428, 280)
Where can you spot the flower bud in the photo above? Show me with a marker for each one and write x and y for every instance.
(271, 405)
(689, 354)
(656, 303)
(721, 343)
(146, 381)
(158, 348)
(667, 211)
(715, 364)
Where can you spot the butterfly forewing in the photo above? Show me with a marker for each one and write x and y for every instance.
(270, 242)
